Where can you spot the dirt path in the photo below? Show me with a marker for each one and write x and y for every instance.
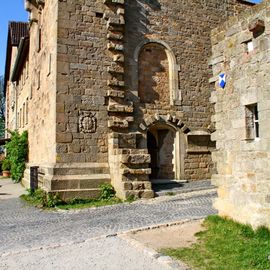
(182, 235)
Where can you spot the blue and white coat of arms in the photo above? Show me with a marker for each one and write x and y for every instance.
(222, 80)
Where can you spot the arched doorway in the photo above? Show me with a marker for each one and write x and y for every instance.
(163, 146)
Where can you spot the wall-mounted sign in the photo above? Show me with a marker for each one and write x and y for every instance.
(222, 80)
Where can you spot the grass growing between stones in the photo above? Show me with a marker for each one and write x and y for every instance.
(81, 204)
(40, 198)
(226, 245)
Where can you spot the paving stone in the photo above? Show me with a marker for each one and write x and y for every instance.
(25, 227)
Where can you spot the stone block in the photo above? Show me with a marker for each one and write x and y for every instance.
(64, 137)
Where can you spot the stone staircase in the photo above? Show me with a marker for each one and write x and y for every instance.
(129, 166)
(78, 180)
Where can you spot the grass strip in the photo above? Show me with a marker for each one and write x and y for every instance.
(226, 245)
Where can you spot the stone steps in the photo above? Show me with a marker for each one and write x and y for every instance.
(80, 182)
(76, 180)
(135, 159)
(120, 122)
(69, 194)
(120, 108)
(83, 177)
(81, 169)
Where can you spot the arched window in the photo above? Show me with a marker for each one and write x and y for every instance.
(154, 84)
(156, 73)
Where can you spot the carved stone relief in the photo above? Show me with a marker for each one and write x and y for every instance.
(87, 122)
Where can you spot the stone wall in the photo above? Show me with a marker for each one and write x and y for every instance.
(181, 31)
(82, 63)
(99, 55)
(241, 51)
(41, 92)
(11, 96)
(88, 64)
(31, 99)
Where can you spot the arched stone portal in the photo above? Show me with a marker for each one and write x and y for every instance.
(166, 147)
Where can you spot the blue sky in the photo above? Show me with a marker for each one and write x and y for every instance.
(13, 10)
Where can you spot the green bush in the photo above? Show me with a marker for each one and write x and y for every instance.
(41, 198)
(6, 165)
(53, 200)
(107, 192)
(17, 151)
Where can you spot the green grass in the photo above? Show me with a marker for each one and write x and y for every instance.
(39, 198)
(74, 204)
(89, 203)
(170, 193)
(226, 245)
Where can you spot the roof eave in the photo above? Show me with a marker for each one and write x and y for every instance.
(23, 51)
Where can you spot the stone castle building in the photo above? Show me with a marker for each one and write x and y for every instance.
(241, 49)
(114, 91)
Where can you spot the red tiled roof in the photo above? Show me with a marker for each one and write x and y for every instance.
(17, 30)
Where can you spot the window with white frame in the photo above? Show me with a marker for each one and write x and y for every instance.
(252, 122)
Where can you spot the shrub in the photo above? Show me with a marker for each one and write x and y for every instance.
(17, 151)
(6, 165)
(41, 198)
(107, 192)
(53, 200)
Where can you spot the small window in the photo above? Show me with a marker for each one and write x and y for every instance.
(99, 15)
(252, 122)
(38, 40)
(18, 119)
(23, 115)
(49, 64)
(250, 46)
(26, 112)
(38, 80)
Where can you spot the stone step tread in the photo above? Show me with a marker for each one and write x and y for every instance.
(82, 165)
(131, 151)
(77, 190)
(78, 171)
(84, 177)
(135, 171)
(69, 194)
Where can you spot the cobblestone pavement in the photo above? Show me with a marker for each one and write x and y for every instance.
(23, 227)
(178, 188)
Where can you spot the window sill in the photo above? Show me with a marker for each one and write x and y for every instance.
(253, 140)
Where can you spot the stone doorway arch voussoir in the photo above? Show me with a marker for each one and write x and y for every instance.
(169, 119)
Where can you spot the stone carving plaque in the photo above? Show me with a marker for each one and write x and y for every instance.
(87, 122)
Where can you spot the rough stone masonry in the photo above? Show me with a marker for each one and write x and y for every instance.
(241, 51)
(116, 91)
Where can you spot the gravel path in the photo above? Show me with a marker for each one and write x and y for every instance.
(118, 255)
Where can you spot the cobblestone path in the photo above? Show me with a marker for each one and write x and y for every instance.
(23, 227)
